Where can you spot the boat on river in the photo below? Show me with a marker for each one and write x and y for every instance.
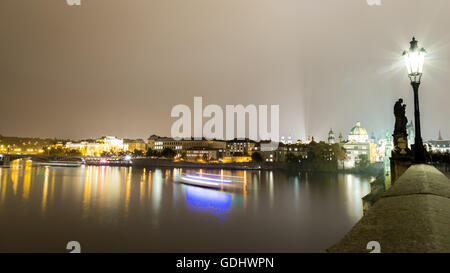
(214, 181)
(61, 164)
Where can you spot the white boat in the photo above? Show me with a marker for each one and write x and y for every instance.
(61, 164)
(210, 181)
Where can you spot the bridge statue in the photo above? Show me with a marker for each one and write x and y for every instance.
(401, 156)
(400, 133)
(401, 120)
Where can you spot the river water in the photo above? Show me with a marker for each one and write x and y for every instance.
(129, 209)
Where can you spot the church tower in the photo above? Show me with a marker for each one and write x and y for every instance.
(410, 132)
(331, 139)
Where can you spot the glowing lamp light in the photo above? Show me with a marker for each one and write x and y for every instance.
(414, 60)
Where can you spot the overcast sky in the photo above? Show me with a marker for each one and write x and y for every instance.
(117, 67)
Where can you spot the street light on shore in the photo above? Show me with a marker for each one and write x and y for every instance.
(414, 60)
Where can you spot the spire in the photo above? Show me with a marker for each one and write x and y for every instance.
(340, 138)
(331, 139)
(440, 136)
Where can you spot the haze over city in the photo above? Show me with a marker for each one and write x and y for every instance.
(189, 130)
(111, 67)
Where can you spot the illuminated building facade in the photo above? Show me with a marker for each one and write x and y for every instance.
(287, 140)
(439, 145)
(358, 145)
(237, 150)
(99, 146)
(279, 155)
(136, 145)
(240, 147)
(23, 145)
(202, 154)
(158, 143)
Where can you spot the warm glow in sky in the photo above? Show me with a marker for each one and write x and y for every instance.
(117, 67)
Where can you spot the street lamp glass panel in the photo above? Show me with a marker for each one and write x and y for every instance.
(414, 62)
(407, 62)
(414, 59)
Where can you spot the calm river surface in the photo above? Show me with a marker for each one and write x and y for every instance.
(129, 209)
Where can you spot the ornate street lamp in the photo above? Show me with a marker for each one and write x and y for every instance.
(414, 60)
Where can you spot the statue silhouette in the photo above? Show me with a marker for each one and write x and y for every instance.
(400, 118)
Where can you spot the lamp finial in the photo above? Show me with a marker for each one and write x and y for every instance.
(413, 44)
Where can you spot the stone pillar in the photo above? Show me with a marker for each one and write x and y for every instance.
(401, 156)
(399, 164)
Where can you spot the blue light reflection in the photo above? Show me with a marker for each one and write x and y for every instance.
(214, 202)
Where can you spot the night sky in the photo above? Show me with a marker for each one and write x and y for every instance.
(117, 67)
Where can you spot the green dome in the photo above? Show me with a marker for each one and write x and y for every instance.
(357, 130)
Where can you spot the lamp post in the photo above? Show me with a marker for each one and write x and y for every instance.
(414, 60)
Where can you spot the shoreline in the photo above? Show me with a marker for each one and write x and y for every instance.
(166, 163)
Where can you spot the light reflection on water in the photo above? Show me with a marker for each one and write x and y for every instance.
(145, 210)
(217, 203)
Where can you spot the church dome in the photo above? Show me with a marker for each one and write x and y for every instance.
(358, 134)
(357, 130)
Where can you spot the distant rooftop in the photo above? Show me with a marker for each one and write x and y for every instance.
(445, 143)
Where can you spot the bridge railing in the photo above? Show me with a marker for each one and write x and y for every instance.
(413, 216)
